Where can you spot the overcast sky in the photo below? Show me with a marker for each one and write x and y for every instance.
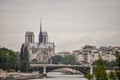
(70, 23)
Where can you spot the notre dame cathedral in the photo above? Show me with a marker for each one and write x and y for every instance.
(40, 51)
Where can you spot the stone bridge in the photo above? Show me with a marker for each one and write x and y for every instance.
(44, 68)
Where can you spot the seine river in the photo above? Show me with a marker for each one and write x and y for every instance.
(61, 76)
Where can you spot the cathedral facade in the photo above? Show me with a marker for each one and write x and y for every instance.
(40, 51)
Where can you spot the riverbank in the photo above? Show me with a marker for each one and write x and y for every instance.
(4, 75)
(62, 76)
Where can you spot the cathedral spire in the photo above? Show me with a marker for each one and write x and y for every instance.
(40, 34)
(40, 25)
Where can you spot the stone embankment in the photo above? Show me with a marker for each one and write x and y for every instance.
(4, 75)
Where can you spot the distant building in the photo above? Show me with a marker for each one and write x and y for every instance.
(94, 55)
(87, 53)
(64, 53)
(76, 52)
(79, 56)
(107, 53)
(40, 51)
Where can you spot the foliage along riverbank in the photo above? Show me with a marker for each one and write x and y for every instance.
(8, 59)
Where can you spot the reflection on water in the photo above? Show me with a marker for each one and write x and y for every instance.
(61, 76)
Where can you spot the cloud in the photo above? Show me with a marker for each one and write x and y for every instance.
(70, 23)
(72, 41)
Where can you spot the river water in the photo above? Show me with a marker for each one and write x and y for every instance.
(62, 76)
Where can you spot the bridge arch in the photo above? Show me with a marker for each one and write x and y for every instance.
(66, 70)
(83, 69)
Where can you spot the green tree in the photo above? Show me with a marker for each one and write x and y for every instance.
(70, 59)
(111, 64)
(24, 53)
(56, 59)
(106, 63)
(100, 70)
(112, 76)
(117, 55)
(24, 59)
(7, 59)
(89, 76)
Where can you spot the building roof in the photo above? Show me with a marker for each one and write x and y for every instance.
(42, 45)
(29, 32)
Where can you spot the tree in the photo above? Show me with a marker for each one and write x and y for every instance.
(89, 76)
(70, 59)
(24, 53)
(100, 70)
(106, 63)
(112, 76)
(7, 59)
(117, 55)
(56, 59)
(111, 64)
(24, 59)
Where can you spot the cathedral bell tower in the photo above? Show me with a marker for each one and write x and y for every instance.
(29, 37)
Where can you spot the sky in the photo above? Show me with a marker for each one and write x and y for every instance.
(71, 24)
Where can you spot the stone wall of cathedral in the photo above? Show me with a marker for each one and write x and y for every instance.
(41, 55)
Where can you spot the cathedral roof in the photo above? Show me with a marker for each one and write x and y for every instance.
(42, 45)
